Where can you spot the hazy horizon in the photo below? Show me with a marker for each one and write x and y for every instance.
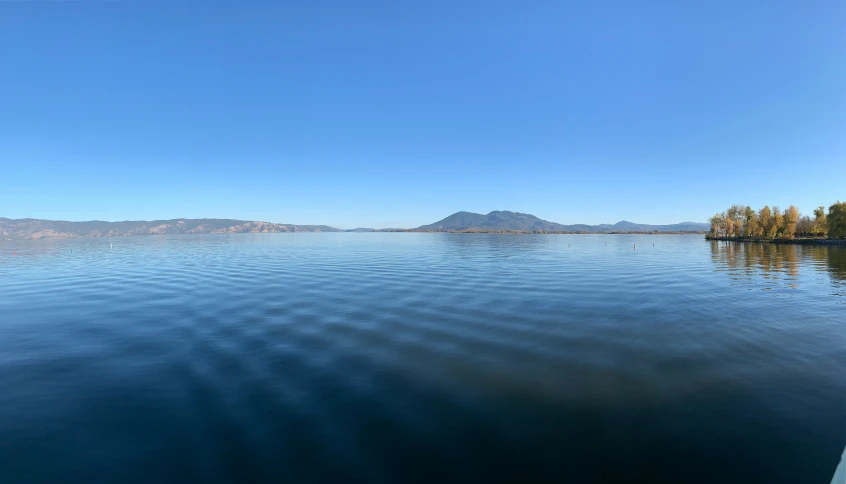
(338, 226)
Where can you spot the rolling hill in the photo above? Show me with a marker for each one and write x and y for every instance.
(28, 228)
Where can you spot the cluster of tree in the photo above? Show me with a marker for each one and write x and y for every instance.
(769, 223)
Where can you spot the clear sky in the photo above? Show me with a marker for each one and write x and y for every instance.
(400, 113)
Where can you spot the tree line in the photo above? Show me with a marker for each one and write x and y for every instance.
(741, 221)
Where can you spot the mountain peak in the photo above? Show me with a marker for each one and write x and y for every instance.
(506, 220)
(495, 220)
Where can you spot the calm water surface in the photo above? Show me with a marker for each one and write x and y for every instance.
(420, 357)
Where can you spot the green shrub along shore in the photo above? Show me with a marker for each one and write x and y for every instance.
(742, 223)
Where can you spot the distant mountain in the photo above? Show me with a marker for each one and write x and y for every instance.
(496, 220)
(499, 220)
(53, 229)
(503, 220)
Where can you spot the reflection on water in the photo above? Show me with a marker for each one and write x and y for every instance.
(420, 358)
(778, 264)
(836, 259)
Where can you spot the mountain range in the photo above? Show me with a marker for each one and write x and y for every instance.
(503, 220)
(496, 221)
(28, 228)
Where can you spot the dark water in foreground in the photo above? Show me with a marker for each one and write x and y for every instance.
(420, 357)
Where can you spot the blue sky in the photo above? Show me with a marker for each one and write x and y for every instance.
(400, 113)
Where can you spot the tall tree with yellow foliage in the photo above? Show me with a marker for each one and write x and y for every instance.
(820, 221)
(718, 222)
(751, 227)
(837, 221)
(735, 216)
(765, 220)
(778, 223)
(790, 219)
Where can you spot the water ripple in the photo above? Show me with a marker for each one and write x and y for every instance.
(420, 357)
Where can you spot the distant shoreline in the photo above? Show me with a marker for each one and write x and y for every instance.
(797, 241)
(463, 232)
(541, 232)
(496, 222)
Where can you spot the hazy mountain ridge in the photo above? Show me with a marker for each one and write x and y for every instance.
(503, 220)
(58, 229)
(498, 220)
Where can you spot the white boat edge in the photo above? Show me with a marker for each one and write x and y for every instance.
(840, 472)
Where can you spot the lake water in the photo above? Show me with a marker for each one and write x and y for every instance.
(420, 358)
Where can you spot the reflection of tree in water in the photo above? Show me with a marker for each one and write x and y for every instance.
(836, 259)
(777, 261)
(829, 259)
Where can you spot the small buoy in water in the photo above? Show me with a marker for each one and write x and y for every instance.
(635, 247)
(110, 245)
(14, 252)
(568, 245)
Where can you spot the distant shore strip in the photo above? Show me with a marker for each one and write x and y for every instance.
(796, 241)
(559, 232)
